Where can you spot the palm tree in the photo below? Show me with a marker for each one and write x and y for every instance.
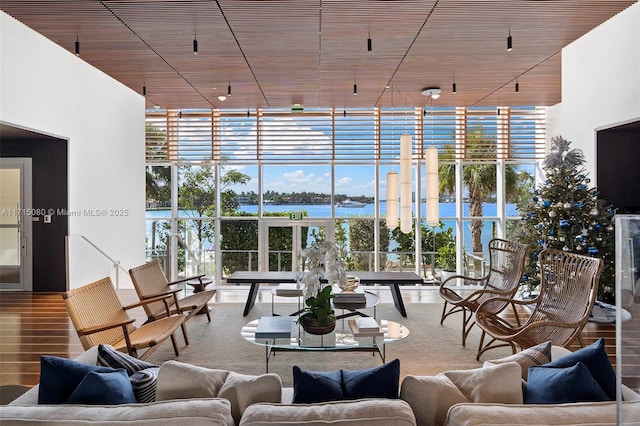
(478, 175)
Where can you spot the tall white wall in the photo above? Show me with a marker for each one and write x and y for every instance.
(49, 90)
(600, 83)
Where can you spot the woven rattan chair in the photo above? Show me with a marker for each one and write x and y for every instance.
(149, 281)
(568, 290)
(506, 265)
(99, 317)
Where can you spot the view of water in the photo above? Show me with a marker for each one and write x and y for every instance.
(323, 211)
(447, 210)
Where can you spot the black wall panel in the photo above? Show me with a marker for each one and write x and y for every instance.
(50, 191)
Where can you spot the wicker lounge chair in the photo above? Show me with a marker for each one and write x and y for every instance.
(568, 290)
(99, 317)
(149, 281)
(506, 265)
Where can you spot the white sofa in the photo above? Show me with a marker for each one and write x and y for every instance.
(197, 396)
(192, 395)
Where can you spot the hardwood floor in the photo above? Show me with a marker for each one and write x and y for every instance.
(32, 324)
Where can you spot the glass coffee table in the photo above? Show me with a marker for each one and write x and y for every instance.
(341, 339)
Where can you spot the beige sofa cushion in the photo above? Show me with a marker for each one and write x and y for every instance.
(431, 396)
(359, 412)
(213, 411)
(581, 413)
(535, 355)
(177, 380)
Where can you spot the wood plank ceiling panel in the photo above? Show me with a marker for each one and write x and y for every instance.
(274, 53)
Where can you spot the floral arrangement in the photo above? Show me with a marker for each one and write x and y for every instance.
(322, 260)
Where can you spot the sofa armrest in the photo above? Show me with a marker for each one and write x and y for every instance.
(213, 411)
(601, 413)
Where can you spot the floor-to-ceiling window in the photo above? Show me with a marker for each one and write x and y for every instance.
(244, 190)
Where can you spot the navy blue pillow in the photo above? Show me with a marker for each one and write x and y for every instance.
(376, 382)
(59, 377)
(594, 357)
(558, 385)
(108, 388)
(316, 386)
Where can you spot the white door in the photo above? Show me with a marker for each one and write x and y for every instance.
(16, 215)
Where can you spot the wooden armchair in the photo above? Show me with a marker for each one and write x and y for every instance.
(568, 290)
(99, 317)
(149, 281)
(506, 265)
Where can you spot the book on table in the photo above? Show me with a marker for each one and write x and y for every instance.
(365, 326)
(274, 327)
(288, 289)
(356, 296)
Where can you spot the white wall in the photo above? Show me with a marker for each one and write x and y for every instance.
(49, 90)
(600, 83)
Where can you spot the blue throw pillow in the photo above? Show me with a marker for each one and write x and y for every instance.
(59, 377)
(316, 386)
(104, 389)
(376, 382)
(558, 385)
(594, 357)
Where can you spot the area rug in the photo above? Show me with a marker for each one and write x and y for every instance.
(429, 349)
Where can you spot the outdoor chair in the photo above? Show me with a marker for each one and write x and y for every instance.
(568, 290)
(99, 317)
(506, 265)
(149, 281)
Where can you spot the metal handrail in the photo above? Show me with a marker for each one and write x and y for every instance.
(479, 258)
(186, 247)
(116, 263)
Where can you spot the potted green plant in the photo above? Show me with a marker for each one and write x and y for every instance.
(318, 316)
(324, 266)
(446, 261)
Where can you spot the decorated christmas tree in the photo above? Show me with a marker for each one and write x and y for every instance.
(566, 214)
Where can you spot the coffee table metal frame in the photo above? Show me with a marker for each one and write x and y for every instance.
(339, 340)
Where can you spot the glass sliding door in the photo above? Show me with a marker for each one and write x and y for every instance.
(16, 216)
(284, 240)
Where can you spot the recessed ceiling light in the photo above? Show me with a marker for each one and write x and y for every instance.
(222, 98)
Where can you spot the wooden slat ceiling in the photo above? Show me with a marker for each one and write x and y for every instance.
(275, 53)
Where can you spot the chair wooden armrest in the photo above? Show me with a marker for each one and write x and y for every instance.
(96, 329)
(195, 277)
(157, 298)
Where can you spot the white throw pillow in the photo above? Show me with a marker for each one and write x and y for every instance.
(177, 380)
(535, 355)
(430, 397)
